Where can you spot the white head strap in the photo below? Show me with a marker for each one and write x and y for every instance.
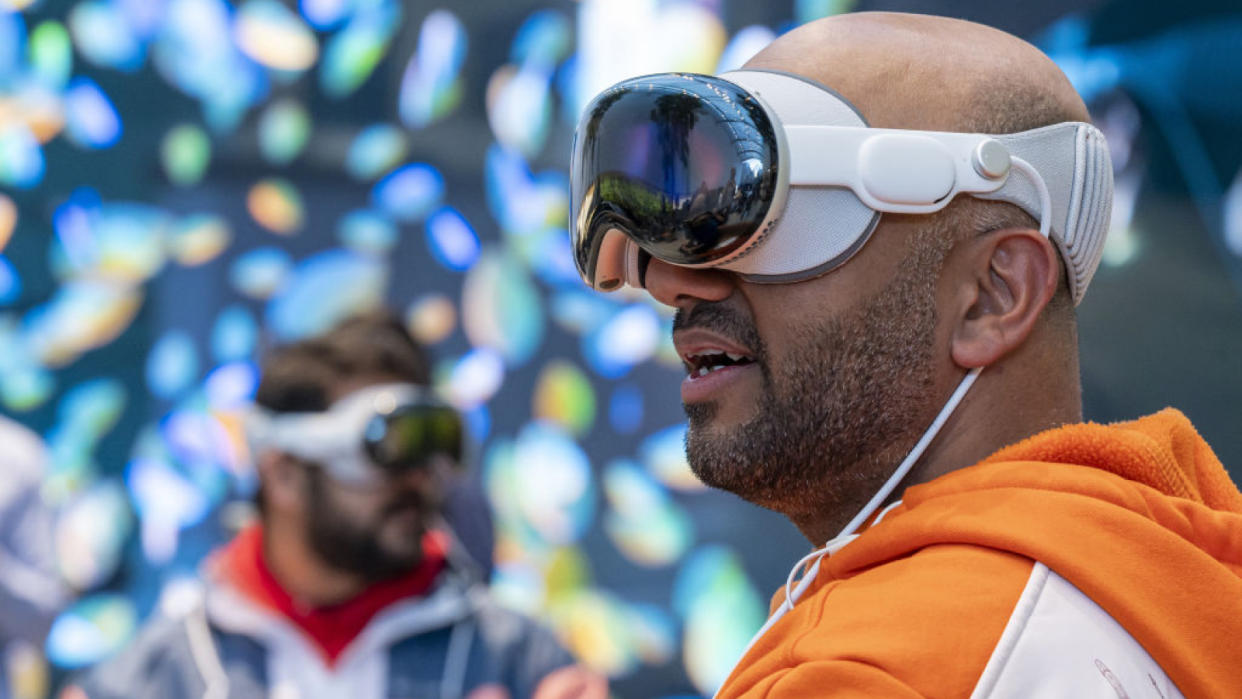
(1071, 158)
(333, 438)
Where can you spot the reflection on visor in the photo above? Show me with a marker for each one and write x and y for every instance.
(685, 165)
(410, 435)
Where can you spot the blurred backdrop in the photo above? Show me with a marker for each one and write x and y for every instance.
(184, 183)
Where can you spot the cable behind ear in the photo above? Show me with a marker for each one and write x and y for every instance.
(1074, 161)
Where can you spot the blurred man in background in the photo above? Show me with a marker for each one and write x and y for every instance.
(351, 585)
(835, 303)
(31, 591)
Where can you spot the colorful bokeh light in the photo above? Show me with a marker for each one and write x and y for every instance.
(431, 87)
(351, 55)
(643, 522)
(502, 309)
(21, 158)
(92, 629)
(172, 364)
(376, 150)
(274, 36)
(410, 192)
(90, 119)
(103, 35)
(276, 204)
(323, 290)
(8, 220)
(564, 396)
(664, 455)
(451, 240)
(720, 610)
(185, 154)
(367, 231)
(198, 239)
(284, 129)
(91, 533)
(10, 283)
(261, 272)
(50, 54)
(431, 319)
(81, 316)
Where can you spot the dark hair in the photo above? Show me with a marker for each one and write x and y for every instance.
(299, 377)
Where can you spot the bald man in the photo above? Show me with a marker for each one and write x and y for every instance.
(875, 236)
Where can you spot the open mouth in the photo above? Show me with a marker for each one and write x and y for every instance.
(704, 362)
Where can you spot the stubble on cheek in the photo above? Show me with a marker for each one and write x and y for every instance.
(834, 412)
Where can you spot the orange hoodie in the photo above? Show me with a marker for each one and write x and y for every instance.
(1136, 521)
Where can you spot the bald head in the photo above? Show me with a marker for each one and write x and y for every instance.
(933, 73)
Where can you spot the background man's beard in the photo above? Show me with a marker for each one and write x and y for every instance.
(343, 544)
(839, 410)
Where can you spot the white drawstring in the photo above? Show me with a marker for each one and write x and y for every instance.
(792, 595)
(884, 512)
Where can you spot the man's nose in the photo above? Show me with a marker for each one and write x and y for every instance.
(677, 286)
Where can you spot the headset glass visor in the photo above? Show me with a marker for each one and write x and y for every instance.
(684, 165)
(410, 434)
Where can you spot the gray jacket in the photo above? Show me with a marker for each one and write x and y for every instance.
(31, 591)
(444, 646)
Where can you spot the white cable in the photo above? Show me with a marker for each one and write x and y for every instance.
(908, 463)
(1045, 198)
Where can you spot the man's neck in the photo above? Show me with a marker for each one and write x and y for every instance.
(1003, 408)
(995, 413)
(302, 574)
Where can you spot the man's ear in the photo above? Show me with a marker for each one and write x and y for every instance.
(1006, 278)
(282, 480)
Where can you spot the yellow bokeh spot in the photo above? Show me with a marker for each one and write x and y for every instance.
(431, 319)
(563, 395)
(276, 205)
(8, 220)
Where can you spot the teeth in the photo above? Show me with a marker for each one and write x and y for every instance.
(705, 370)
(702, 364)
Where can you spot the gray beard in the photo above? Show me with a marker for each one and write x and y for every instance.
(837, 413)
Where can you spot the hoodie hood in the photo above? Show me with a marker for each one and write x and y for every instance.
(1162, 451)
(1151, 531)
(242, 566)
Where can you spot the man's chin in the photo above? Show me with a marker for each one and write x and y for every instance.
(402, 536)
(712, 420)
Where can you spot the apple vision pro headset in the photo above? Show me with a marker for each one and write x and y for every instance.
(779, 179)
